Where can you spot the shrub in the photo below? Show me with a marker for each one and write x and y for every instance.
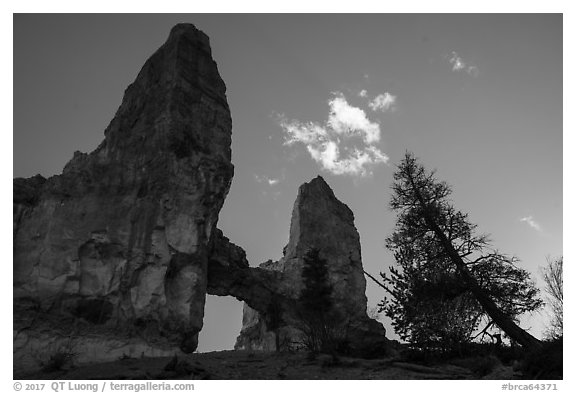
(322, 327)
(484, 365)
(58, 359)
(545, 363)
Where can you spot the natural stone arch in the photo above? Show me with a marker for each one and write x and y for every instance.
(271, 291)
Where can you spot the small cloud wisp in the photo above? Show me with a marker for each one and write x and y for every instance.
(532, 223)
(458, 64)
(383, 102)
(267, 180)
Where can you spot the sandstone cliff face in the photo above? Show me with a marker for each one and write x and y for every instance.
(122, 235)
(321, 221)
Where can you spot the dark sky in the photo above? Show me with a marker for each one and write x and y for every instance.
(478, 97)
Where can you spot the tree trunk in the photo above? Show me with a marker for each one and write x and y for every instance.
(277, 339)
(505, 323)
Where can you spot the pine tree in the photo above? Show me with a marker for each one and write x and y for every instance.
(316, 294)
(448, 279)
(318, 318)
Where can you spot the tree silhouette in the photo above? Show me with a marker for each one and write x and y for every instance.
(554, 281)
(448, 279)
(319, 319)
(274, 319)
(315, 295)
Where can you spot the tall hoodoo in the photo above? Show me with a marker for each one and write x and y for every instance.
(321, 221)
(126, 229)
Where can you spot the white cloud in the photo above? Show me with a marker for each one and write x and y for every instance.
(383, 102)
(458, 64)
(363, 93)
(532, 223)
(303, 132)
(265, 179)
(349, 120)
(326, 142)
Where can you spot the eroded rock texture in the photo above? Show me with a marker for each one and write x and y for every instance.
(321, 221)
(122, 235)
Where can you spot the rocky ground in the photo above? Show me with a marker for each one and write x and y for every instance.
(252, 365)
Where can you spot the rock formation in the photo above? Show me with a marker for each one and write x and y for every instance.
(230, 275)
(121, 237)
(114, 257)
(321, 221)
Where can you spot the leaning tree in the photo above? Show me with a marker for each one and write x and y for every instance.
(448, 278)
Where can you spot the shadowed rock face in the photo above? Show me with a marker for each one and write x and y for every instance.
(128, 226)
(321, 221)
(230, 275)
